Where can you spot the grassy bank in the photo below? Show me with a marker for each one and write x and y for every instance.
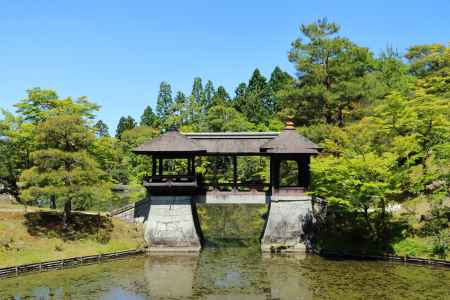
(34, 235)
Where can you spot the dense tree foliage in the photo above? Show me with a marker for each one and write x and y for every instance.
(63, 170)
(383, 122)
(101, 129)
(125, 123)
(164, 101)
(149, 118)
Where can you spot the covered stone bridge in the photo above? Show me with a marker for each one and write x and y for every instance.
(169, 211)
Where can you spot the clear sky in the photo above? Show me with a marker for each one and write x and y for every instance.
(117, 52)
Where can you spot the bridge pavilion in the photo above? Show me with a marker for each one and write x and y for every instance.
(171, 224)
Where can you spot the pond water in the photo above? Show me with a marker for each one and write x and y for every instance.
(233, 273)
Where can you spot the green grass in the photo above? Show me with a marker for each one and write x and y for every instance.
(38, 236)
(414, 247)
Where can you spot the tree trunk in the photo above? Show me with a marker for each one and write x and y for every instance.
(328, 116)
(340, 117)
(382, 234)
(53, 202)
(66, 213)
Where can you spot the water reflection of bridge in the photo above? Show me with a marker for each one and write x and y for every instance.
(221, 274)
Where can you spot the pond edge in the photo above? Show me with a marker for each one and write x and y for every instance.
(98, 258)
(66, 262)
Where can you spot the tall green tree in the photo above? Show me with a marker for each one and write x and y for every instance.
(41, 103)
(181, 109)
(164, 101)
(16, 144)
(101, 129)
(431, 64)
(148, 117)
(256, 102)
(18, 132)
(279, 79)
(198, 94)
(332, 75)
(125, 123)
(209, 95)
(221, 96)
(226, 118)
(63, 171)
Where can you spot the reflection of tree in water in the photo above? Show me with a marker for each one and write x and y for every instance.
(348, 279)
(232, 273)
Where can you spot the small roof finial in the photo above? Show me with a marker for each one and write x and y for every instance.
(289, 123)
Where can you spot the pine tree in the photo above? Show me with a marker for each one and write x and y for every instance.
(148, 117)
(332, 74)
(63, 171)
(101, 129)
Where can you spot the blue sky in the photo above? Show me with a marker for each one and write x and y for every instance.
(117, 52)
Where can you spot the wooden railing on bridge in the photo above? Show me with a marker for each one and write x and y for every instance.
(170, 180)
(239, 186)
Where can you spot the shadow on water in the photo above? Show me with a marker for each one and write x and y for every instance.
(232, 273)
(348, 231)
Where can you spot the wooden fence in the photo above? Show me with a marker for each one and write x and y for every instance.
(393, 258)
(66, 263)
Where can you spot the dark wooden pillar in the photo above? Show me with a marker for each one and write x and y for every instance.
(304, 172)
(235, 176)
(307, 171)
(153, 165)
(274, 172)
(191, 161)
(160, 165)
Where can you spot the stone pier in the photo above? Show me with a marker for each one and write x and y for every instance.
(170, 224)
(289, 223)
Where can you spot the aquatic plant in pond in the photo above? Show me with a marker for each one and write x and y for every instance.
(240, 273)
